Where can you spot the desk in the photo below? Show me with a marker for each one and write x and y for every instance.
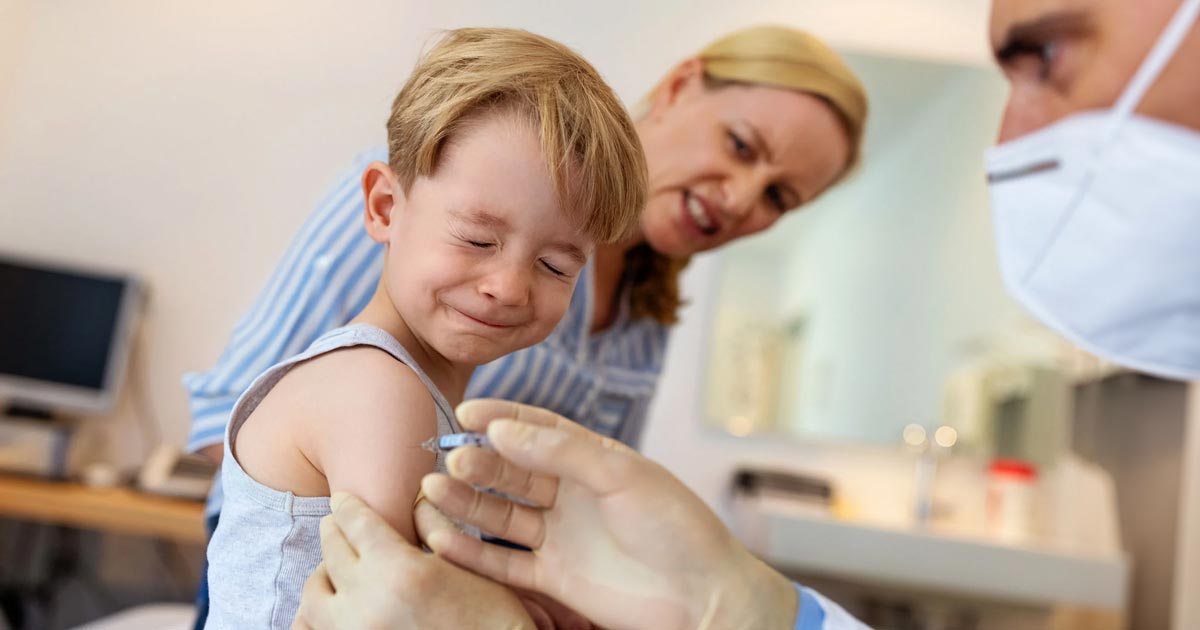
(114, 510)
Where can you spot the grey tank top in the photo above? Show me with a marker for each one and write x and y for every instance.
(268, 541)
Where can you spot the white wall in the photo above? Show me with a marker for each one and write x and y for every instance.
(12, 30)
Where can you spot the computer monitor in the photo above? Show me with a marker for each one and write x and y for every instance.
(65, 335)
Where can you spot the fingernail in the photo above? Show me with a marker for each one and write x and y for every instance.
(437, 540)
(428, 485)
(337, 499)
(454, 463)
(463, 408)
(511, 433)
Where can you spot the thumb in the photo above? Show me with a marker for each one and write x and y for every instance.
(363, 528)
(600, 464)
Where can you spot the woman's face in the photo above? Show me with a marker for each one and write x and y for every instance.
(728, 162)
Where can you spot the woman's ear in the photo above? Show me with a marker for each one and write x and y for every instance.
(383, 198)
(683, 80)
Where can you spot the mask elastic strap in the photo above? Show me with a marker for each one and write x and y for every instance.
(1158, 57)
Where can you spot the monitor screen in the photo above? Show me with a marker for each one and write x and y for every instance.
(59, 329)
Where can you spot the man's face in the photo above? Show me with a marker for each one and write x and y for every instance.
(1066, 56)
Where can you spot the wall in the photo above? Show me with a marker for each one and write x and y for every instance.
(12, 31)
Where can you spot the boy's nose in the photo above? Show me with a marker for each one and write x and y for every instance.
(507, 285)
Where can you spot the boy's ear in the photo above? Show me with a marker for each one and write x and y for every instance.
(383, 197)
(686, 77)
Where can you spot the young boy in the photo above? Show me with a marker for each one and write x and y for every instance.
(509, 159)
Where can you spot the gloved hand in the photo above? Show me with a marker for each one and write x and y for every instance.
(370, 577)
(616, 536)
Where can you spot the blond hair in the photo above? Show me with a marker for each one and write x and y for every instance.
(588, 141)
(774, 56)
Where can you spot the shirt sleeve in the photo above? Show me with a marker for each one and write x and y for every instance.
(327, 275)
(818, 613)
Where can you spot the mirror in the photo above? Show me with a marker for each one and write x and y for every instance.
(881, 305)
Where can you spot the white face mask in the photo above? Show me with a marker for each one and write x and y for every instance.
(1097, 222)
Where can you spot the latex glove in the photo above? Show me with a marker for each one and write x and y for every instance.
(546, 613)
(620, 539)
(371, 577)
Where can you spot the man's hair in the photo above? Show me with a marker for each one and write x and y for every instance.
(588, 139)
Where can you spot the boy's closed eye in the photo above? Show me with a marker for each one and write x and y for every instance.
(558, 273)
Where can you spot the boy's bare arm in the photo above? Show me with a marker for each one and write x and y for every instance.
(378, 412)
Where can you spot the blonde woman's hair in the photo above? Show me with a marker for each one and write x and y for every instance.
(588, 140)
(774, 56)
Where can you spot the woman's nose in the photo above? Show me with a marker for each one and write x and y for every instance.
(743, 194)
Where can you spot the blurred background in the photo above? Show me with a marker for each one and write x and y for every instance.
(853, 392)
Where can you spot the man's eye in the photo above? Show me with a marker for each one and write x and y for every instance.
(1042, 56)
(1047, 54)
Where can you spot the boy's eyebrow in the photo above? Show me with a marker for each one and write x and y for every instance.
(481, 218)
(570, 250)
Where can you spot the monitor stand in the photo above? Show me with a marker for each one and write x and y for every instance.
(26, 412)
(34, 441)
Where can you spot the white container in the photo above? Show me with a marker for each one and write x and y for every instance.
(1011, 494)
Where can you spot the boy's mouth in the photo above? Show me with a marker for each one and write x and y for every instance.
(490, 322)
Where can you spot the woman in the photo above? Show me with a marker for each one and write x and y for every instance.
(760, 122)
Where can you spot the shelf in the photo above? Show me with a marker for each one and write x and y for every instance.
(798, 539)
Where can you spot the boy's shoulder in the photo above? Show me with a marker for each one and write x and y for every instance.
(356, 379)
(333, 412)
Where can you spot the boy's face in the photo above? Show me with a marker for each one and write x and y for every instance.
(482, 260)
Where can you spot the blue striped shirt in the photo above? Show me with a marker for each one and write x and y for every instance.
(329, 273)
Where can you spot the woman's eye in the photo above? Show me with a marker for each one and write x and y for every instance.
(740, 147)
(775, 197)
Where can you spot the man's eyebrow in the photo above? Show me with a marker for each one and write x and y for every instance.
(1023, 35)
